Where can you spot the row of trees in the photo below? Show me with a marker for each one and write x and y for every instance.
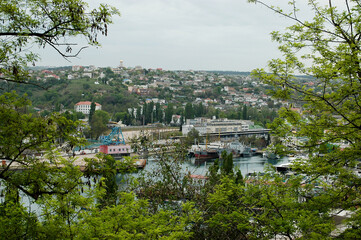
(152, 113)
(155, 113)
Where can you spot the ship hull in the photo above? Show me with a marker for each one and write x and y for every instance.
(206, 154)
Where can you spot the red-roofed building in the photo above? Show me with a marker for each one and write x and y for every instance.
(52, 76)
(84, 107)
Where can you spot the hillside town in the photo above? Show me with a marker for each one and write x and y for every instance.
(173, 96)
(134, 152)
(221, 89)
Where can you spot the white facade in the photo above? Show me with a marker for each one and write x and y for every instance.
(84, 107)
(202, 129)
(87, 74)
(76, 68)
(204, 126)
(186, 129)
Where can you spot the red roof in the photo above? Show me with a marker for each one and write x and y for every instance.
(86, 103)
(196, 176)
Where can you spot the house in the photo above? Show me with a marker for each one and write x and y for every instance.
(84, 107)
(142, 91)
(87, 74)
(76, 68)
(131, 89)
(199, 91)
(52, 76)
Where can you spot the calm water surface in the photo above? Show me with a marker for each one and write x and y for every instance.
(246, 165)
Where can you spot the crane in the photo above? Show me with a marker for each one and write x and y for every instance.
(114, 143)
(115, 137)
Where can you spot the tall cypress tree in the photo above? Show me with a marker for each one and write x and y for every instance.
(92, 111)
(245, 113)
(169, 113)
(159, 113)
(189, 111)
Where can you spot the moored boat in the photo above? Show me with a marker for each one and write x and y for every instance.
(215, 149)
(236, 148)
(247, 152)
(271, 155)
(206, 154)
(140, 163)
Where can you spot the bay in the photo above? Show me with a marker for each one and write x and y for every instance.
(247, 165)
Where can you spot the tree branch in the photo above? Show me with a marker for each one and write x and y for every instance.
(22, 82)
(296, 19)
(31, 34)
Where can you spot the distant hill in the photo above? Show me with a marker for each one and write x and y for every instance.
(39, 68)
(230, 73)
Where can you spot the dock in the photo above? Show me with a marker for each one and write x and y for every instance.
(78, 161)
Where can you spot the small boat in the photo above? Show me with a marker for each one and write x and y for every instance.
(194, 148)
(271, 155)
(140, 163)
(247, 152)
(284, 168)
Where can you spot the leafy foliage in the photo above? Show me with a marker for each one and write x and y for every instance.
(29, 142)
(46, 23)
(131, 219)
(327, 48)
(99, 123)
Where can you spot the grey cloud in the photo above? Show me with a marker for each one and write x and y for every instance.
(185, 34)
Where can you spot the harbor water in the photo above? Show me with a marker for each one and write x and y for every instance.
(253, 164)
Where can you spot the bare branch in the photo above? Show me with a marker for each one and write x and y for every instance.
(22, 82)
(297, 20)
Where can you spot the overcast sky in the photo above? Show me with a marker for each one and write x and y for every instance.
(183, 35)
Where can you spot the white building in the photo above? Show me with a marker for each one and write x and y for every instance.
(202, 129)
(87, 74)
(117, 70)
(204, 126)
(84, 107)
(76, 68)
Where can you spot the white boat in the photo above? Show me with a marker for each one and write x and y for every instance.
(283, 168)
(271, 155)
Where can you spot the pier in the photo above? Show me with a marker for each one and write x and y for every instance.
(77, 161)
